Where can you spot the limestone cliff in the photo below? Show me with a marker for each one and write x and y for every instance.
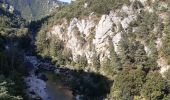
(93, 35)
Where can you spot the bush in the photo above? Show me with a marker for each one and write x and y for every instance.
(146, 22)
(156, 87)
(128, 84)
(82, 62)
(166, 43)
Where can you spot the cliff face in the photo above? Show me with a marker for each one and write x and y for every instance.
(126, 41)
(101, 36)
(88, 37)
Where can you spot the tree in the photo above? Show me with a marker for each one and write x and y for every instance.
(41, 42)
(134, 53)
(95, 62)
(114, 58)
(146, 22)
(128, 84)
(166, 42)
(167, 74)
(4, 90)
(11, 62)
(82, 62)
(155, 87)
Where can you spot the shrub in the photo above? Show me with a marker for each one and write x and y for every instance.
(82, 62)
(128, 84)
(155, 88)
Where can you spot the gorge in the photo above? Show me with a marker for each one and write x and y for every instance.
(93, 49)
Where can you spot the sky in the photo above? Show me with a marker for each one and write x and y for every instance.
(66, 0)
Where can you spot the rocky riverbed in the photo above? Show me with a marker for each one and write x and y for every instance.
(64, 83)
(39, 89)
(36, 87)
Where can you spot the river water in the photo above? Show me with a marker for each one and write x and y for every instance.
(57, 91)
(54, 88)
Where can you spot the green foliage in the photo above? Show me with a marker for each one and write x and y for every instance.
(155, 87)
(128, 84)
(56, 47)
(95, 62)
(104, 6)
(146, 22)
(133, 69)
(113, 65)
(75, 9)
(13, 33)
(167, 74)
(137, 4)
(52, 48)
(167, 97)
(5, 91)
(10, 21)
(41, 42)
(12, 68)
(12, 26)
(132, 83)
(82, 62)
(133, 53)
(166, 42)
(115, 60)
(67, 55)
(106, 66)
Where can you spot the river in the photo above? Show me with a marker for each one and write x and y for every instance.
(48, 82)
(52, 89)
(56, 91)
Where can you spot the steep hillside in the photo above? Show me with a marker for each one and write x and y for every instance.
(34, 9)
(125, 40)
(13, 37)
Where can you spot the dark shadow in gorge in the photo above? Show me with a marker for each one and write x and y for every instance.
(91, 86)
(12, 50)
(94, 86)
(34, 26)
(12, 65)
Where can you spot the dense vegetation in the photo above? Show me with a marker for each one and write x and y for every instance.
(135, 72)
(13, 38)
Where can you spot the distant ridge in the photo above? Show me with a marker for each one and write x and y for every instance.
(34, 9)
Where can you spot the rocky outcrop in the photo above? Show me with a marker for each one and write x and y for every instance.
(90, 36)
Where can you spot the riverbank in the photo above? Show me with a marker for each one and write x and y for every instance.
(56, 89)
(46, 90)
(40, 89)
(36, 87)
(64, 82)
